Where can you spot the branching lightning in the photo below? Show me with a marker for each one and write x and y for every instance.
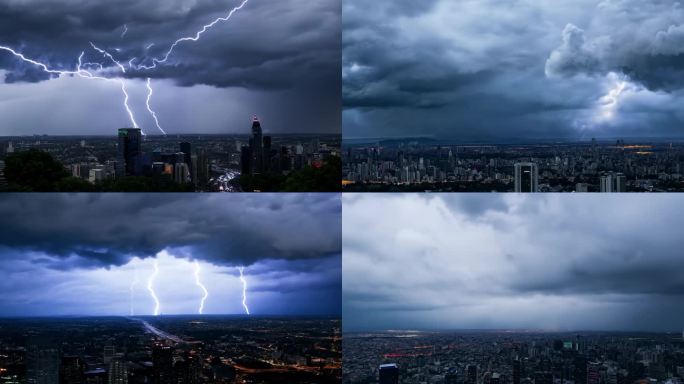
(150, 287)
(91, 70)
(196, 37)
(154, 114)
(199, 284)
(244, 289)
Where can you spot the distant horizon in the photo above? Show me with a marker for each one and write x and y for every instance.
(505, 330)
(362, 140)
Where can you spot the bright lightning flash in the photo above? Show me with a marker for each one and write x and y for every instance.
(199, 284)
(244, 289)
(149, 108)
(150, 287)
(87, 74)
(196, 37)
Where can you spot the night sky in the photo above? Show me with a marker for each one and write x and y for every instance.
(84, 254)
(581, 262)
(278, 59)
(487, 70)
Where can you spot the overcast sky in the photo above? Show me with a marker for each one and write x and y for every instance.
(583, 262)
(487, 70)
(91, 254)
(277, 59)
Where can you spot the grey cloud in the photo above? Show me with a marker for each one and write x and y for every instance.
(94, 231)
(588, 262)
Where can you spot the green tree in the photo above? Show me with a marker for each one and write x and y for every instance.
(33, 171)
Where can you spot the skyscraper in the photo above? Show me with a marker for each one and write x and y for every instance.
(526, 177)
(118, 371)
(613, 182)
(42, 365)
(389, 374)
(129, 152)
(257, 147)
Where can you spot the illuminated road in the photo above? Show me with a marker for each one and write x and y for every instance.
(159, 333)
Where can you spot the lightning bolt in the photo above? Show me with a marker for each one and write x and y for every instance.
(244, 289)
(154, 114)
(84, 73)
(150, 282)
(80, 72)
(196, 37)
(199, 284)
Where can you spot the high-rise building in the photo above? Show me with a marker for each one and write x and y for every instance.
(181, 173)
(109, 352)
(257, 147)
(516, 371)
(186, 148)
(162, 362)
(42, 364)
(613, 182)
(3, 181)
(526, 177)
(472, 374)
(118, 371)
(129, 152)
(580, 374)
(389, 374)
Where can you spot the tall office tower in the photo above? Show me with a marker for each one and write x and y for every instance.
(472, 374)
(181, 172)
(129, 155)
(109, 352)
(202, 167)
(526, 177)
(543, 377)
(118, 371)
(620, 182)
(257, 147)
(186, 148)
(3, 181)
(613, 182)
(162, 364)
(593, 374)
(42, 364)
(516, 371)
(389, 374)
(71, 370)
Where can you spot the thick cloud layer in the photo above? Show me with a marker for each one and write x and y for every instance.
(488, 261)
(71, 231)
(478, 70)
(287, 50)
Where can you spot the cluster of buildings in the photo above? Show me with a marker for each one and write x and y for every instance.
(184, 166)
(514, 358)
(572, 167)
(220, 350)
(261, 156)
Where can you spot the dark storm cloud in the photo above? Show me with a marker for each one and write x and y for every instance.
(70, 231)
(487, 70)
(584, 262)
(266, 45)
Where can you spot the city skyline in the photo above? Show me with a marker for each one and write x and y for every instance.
(542, 262)
(211, 85)
(515, 72)
(120, 254)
